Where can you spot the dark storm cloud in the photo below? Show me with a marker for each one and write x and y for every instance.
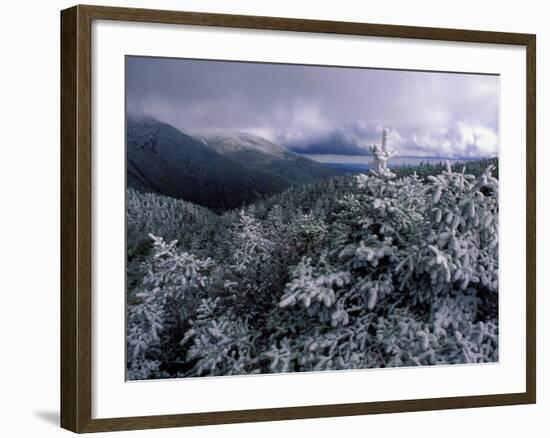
(305, 106)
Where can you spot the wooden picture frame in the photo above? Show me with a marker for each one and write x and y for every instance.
(76, 218)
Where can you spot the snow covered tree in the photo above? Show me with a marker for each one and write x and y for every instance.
(221, 343)
(381, 157)
(171, 290)
(416, 262)
(251, 248)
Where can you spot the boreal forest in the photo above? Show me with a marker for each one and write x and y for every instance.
(244, 260)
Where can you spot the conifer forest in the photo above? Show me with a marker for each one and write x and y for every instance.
(370, 270)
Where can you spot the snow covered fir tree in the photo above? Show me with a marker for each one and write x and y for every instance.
(307, 270)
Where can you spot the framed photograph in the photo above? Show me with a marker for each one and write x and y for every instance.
(269, 218)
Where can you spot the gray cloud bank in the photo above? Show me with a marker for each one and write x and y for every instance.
(321, 109)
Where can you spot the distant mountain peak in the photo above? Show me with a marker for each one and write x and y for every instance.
(235, 141)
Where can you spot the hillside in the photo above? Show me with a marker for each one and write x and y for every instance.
(221, 173)
(163, 160)
(275, 167)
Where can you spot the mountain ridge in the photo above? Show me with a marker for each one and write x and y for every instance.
(278, 166)
(220, 172)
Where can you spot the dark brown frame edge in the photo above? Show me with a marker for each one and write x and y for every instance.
(76, 304)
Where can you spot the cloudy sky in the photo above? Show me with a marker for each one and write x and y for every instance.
(321, 109)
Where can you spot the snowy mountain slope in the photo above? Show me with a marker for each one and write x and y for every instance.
(163, 160)
(220, 172)
(228, 142)
(277, 166)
